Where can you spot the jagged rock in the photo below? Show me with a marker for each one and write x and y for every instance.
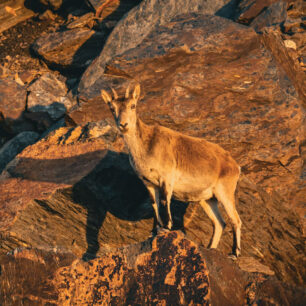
(49, 94)
(217, 86)
(273, 42)
(250, 9)
(15, 146)
(169, 269)
(72, 49)
(26, 274)
(12, 106)
(76, 190)
(276, 13)
(138, 23)
(291, 23)
(80, 22)
(12, 99)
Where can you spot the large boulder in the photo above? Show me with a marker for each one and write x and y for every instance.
(72, 49)
(140, 21)
(75, 190)
(169, 269)
(197, 76)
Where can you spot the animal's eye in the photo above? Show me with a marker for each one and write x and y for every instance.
(133, 106)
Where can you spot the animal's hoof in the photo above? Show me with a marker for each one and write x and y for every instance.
(232, 256)
(169, 226)
(163, 230)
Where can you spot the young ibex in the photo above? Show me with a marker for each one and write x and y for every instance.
(172, 164)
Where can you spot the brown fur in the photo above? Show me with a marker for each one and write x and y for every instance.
(173, 164)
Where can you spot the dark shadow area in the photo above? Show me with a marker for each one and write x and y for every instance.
(103, 182)
(228, 10)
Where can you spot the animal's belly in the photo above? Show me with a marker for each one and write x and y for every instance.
(192, 190)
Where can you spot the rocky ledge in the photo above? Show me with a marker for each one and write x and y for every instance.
(76, 221)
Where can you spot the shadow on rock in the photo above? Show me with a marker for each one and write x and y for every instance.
(104, 183)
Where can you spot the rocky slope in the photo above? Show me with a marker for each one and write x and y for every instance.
(75, 221)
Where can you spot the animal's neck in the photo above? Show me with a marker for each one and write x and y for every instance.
(134, 138)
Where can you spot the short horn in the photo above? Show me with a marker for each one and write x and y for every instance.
(127, 92)
(115, 94)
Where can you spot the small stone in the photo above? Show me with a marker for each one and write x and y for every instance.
(49, 94)
(290, 44)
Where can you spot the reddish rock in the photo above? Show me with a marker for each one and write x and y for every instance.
(12, 99)
(76, 190)
(275, 14)
(199, 77)
(169, 269)
(250, 9)
(49, 94)
(72, 49)
(138, 23)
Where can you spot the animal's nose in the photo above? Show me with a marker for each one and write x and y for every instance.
(123, 125)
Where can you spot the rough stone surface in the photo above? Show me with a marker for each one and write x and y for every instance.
(169, 269)
(72, 49)
(249, 9)
(199, 77)
(49, 94)
(276, 13)
(15, 146)
(138, 23)
(12, 99)
(76, 190)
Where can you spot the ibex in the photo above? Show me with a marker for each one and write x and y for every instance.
(172, 164)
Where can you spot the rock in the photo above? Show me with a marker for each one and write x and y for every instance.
(216, 86)
(12, 106)
(15, 146)
(249, 9)
(137, 24)
(250, 264)
(47, 15)
(275, 14)
(274, 43)
(12, 99)
(73, 49)
(85, 20)
(36, 268)
(49, 94)
(13, 12)
(291, 23)
(169, 269)
(290, 44)
(75, 190)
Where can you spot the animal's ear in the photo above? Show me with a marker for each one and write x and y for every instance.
(136, 92)
(105, 96)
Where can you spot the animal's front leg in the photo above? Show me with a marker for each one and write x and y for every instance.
(154, 196)
(166, 191)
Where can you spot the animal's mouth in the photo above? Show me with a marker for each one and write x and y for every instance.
(123, 129)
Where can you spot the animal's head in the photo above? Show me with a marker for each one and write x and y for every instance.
(123, 108)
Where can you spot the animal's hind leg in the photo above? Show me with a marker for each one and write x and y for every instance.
(225, 193)
(211, 209)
